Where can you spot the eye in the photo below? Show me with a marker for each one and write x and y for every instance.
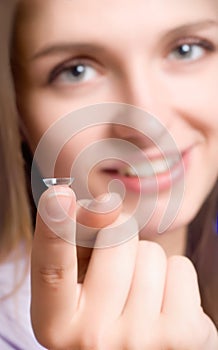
(189, 52)
(73, 74)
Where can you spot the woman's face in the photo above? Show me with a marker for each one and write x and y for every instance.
(158, 55)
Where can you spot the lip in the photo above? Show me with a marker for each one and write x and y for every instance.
(150, 184)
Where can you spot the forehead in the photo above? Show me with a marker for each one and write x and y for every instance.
(88, 9)
(47, 19)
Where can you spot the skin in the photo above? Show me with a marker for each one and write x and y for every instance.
(181, 93)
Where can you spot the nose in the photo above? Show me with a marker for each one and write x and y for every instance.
(143, 120)
(145, 86)
(138, 127)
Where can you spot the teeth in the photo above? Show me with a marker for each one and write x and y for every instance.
(150, 168)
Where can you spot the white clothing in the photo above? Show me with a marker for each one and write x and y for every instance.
(15, 325)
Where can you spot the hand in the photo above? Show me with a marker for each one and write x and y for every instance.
(132, 297)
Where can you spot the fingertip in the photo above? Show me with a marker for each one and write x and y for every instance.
(106, 202)
(103, 204)
(56, 191)
(57, 203)
(99, 212)
(56, 213)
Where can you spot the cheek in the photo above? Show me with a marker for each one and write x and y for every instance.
(195, 88)
(197, 96)
(37, 115)
(52, 103)
(76, 155)
(40, 110)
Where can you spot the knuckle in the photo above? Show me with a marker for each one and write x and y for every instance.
(52, 275)
(137, 344)
(177, 259)
(189, 335)
(182, 263)
(153, 248)
(205, 330)
(49, 337)
(141, 339)
(90, 342)
(46, 338)
(156, 247)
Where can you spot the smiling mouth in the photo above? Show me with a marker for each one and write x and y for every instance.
(145, 169)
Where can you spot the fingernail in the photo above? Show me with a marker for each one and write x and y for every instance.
(107, 201)
(105, 197)
(58, 203)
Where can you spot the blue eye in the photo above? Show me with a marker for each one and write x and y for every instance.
(188, 52)
(75, 73)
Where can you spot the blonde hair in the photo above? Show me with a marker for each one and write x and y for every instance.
(15, 222)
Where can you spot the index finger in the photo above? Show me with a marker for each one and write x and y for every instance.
(54, 266)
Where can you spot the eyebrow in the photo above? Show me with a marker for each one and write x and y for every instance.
(196, 26)
(65, 47)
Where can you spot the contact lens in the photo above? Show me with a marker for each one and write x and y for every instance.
(52, 181)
